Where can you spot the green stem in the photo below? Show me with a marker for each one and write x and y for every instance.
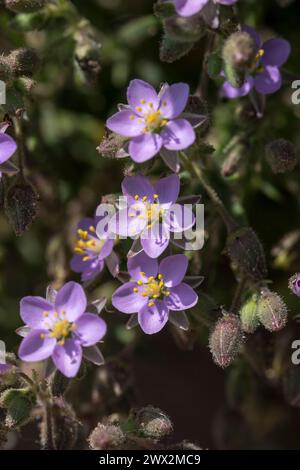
(237, 295)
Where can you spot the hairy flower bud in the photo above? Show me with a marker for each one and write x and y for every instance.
(226, 339)
(25, 6)
(23, 61)
(19, 403)
(25, 85)
(239, 53)
(105, 437)
(112, 146)
(281, 155)
(248, 315)
(294, 284)
(271, 310)
(246, 253)
(5, 69)
(153, 423)
(21, 203)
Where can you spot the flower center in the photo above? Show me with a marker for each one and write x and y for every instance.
(88, 245)
(59, 327)
(153, 288)
(152, 213)
(153, 119)
(256, 65)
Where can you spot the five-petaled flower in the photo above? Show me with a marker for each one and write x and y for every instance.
(155, 291)
(265, 76)
(208, 8)
(8, 147)
(91, 249)
(152, 121)
(151, 212)
(59, 329)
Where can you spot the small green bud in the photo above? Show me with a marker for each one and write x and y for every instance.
(105, 437)
(248, 315)
(23, 61)
(239, 54)
(25, 85)
(246, 253)
(226, 339)
(153, 423)
(214, 65)
(21, 204)
(19, 403)
(271, 310)
(171, 49)
(281, 155)
(29, 21)
(25, 6)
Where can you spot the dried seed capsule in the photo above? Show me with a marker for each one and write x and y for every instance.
(271, 310)
(248, 315)
(281, 155)
(246, 253)
(25, 6)
(153, 423)
(226, 339)
(106, 437)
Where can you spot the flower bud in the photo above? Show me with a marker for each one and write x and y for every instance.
(21, 203)
(226, 339)
(234, 159)
(88, 57)
(239, 53)
(5, 70)
(19, 403)
(171, 49)
(281, 155)
(271, 310)
(181, 29)
(25, 85)
(23, 61)
(294, 284)
(246, 253)
(153, 423)
(248, 315)
(112, 146)
(105, 437)
(25, 6)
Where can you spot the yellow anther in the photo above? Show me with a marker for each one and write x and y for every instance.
(164, 103)
(143, 294)
(132, 116)
(45, 314)
(155, 296)
(160, 276)
(155, 196)
(85, 258)
(42, 335)
(150, 278)
(150, 304)
(138, 108)
(135, 289)
(149, 225)
(143, 101)
(136, 197)
(167, 293)
(63, 312)
(145, 198)
(62, 342)
(78, 250)
(83, 234)
(163, 123)
(92, 228)
(150, 104)
(142, 273)
(161, 284)
(55, 314)
(140, 283)
(73, 326)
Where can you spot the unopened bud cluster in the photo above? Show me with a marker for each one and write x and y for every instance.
(153, 423)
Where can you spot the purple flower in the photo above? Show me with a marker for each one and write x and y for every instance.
(294, 284)
(152, 121)
(156, 291)
(208, 8)
(265, 76)
(91, 249)
(151, 213)
(59, 329)
(7, 148)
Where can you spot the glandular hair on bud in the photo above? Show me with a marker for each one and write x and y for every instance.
(248, 315)
(246, 253)
(23, 61)
(271, 310)
(153, 423)
(226, 339)
(281, 155)
(25, 6)
(106, 437)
